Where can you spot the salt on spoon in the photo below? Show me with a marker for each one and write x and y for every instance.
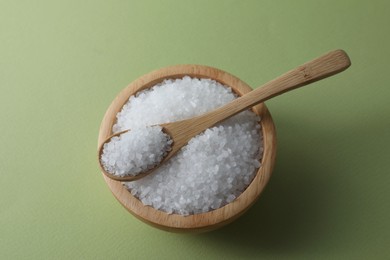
(181, 132)
(135, 151)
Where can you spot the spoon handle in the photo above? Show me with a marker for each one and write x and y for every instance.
(317, 69)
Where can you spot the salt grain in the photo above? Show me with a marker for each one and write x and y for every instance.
(214, 168)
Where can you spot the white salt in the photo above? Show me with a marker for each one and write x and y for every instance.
(215, 167)
(135, 151)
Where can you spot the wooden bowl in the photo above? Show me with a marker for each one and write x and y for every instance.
(205, 221)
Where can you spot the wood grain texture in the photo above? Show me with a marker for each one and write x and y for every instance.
(205, 221)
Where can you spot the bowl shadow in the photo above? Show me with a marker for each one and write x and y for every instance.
(292, 209)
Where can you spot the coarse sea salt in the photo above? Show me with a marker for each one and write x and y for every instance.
(135, 151)
(215, 167)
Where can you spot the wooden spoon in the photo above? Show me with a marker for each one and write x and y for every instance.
(182, 131)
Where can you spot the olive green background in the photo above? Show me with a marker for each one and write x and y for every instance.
(63, 62)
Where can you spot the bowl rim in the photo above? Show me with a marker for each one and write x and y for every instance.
(203, 221)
